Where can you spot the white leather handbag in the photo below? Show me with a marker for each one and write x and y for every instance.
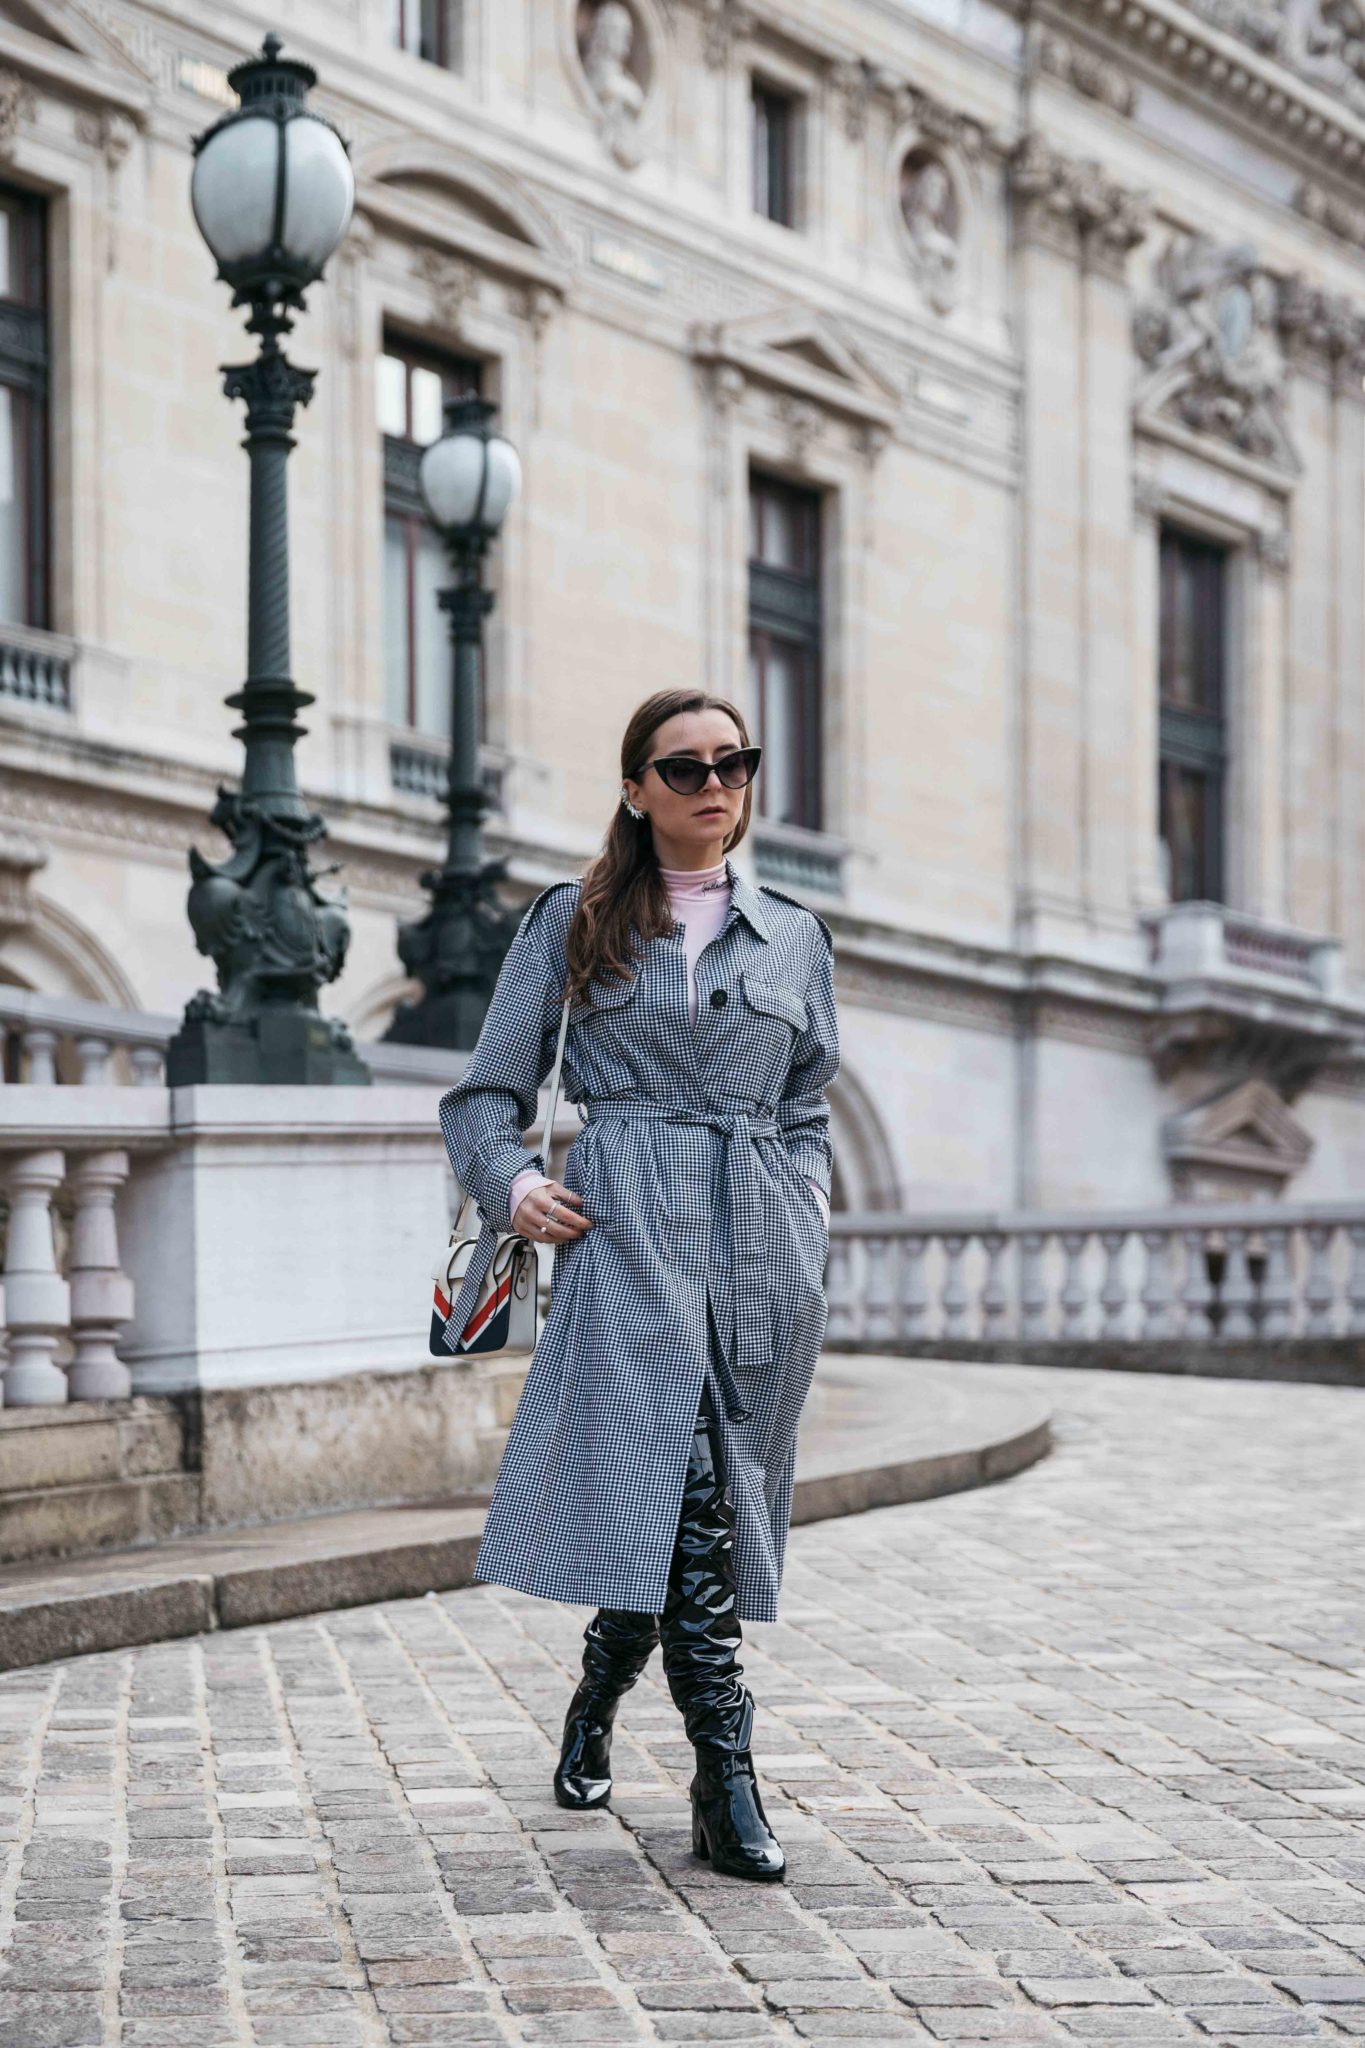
(485, 1295)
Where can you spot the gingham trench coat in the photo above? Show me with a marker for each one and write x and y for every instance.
(692, 1162)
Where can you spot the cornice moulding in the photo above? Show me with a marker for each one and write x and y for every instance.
(429, 223)
(1220, 67)
(69, 75)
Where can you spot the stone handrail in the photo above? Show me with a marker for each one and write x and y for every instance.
(1258, 1271)
(92, 1044)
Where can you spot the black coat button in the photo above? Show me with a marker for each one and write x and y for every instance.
(718, 996)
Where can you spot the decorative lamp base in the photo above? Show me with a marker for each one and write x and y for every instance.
(278, 1047)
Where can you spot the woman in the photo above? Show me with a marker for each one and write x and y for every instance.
(649, 1467)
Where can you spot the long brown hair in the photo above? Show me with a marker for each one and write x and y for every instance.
(623, 886)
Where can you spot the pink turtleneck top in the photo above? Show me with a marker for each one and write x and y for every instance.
(700, 900)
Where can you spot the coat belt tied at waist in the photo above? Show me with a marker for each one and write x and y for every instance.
(743, 1195)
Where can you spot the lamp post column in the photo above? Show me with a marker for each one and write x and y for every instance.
(469, 478)
(272, 193)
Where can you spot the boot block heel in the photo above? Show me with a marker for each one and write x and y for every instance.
(699, 1847)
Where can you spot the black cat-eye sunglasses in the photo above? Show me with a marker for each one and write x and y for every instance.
(688, 776)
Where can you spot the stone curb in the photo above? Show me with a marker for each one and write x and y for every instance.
(39, 1627)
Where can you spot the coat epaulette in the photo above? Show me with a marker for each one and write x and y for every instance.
(768, 890)
(529, 914)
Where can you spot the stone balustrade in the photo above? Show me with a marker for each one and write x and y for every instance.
(72, 1040)
(1258, 1272)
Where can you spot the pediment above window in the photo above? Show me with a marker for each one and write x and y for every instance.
(805, 354)
(1242, 1140)
(436, 196)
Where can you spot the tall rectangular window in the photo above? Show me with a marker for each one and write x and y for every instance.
(430, 29)
(24, 596)
(774, 154)
(414, 384)
(784, 648)
(1192, 725)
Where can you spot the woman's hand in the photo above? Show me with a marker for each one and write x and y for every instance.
(566, 1223)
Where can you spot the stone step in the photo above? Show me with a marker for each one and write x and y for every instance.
(875, 1432)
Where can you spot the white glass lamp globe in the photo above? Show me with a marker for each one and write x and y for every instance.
(272, 188)
(470, 476)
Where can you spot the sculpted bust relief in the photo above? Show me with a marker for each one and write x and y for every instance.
(605, 45)
(929, 208)
(615, 61)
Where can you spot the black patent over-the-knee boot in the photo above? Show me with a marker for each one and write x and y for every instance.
(700, 1634)
(616, 1647)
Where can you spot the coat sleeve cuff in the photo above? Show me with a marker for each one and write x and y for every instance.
(496, 1176)
(815, 1160)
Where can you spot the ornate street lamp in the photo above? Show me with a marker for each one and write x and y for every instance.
(469, 479)
(272, 193)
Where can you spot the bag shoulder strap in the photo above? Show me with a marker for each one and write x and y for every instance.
(551, 1107)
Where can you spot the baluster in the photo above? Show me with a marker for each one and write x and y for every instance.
(1277, 1289)
(914, 1302)
(1033, 1288)
(40, 1045)
(879, 1319)
(148, 1064)
(1238, 1292)
(1197, 1294)
(1319, 1291)
(1072, 1297)
(1355, 1285)
(101, 1292)
(37, 1299)
(839, 1290)
(955, 1298)
(1157, 1292)
(93, 1055)
(1113, 1292)
(995, 1300)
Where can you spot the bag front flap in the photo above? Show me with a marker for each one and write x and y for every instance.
(475, 1273)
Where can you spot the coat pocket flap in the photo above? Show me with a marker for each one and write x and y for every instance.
(776, 1000)
(605, 995)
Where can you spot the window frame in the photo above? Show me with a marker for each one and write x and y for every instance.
(764, 89)
(400, 461)
(1192, 738)
(25, 368)
(786, 606)
(446, 55)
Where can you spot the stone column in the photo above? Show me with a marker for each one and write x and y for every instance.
(1113, 224)
(37, 1299)
(1348, 755)
(1259, 847)
(1048, 295)
(101, 1292)
(1074, 229)
(1147, 890)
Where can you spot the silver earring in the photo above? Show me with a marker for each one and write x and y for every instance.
(628, 804)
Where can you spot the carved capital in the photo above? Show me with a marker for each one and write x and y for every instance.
(109, 132)
(1274, 550)
(1322, 328)
(723, 24)
(1149, 496)
(804, 423)
(1076, 206)
(453, 282)
(851, 81)
(17, 106)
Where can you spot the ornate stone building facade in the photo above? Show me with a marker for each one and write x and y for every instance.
(974, 391)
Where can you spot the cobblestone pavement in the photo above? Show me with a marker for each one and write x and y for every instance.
(1076, 1759)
